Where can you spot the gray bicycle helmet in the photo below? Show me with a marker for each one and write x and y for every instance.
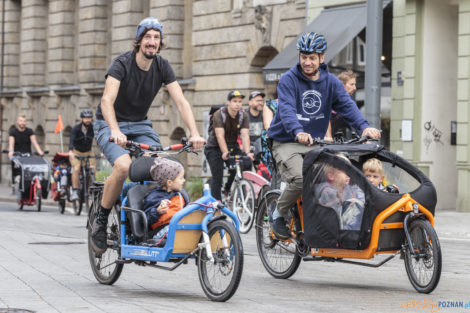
(311, 42)
(86, 113)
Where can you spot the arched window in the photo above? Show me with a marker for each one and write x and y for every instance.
(40, 136)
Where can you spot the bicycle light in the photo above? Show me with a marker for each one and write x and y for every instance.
(415, 208)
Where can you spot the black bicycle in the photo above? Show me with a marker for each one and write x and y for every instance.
(87, 178)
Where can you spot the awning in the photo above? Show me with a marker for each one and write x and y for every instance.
(339, 26)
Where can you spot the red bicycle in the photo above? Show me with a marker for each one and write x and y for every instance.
(32, 183)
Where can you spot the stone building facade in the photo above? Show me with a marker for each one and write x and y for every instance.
(56, 53)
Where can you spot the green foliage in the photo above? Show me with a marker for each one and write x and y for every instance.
(194, 186)
(105, 170)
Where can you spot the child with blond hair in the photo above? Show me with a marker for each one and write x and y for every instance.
(346, 199)
(374, 171)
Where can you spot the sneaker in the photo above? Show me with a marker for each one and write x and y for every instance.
(74, 195)
(99, 236)
(278, 225)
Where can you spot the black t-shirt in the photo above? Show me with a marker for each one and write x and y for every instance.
(138, 88)
(256, 126)
(22, 139)
(231, 127)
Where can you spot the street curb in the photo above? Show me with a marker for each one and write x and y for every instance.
(43, 202)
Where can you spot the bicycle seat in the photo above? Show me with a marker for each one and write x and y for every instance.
(136, 201)
(140, 169)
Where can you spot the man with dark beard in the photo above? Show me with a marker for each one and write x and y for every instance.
(132, 82)
(81, 139)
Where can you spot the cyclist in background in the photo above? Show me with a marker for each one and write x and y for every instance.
(228, 123)
(81, 140)
(19, 140)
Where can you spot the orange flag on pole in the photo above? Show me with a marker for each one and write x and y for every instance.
(59, 126)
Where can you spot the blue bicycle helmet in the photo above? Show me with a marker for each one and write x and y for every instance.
(311, 42)
(149, 23)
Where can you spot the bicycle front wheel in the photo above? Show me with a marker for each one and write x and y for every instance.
(105, 266)
(38, 192)
(220, 278)
(244, 199)
(424, 266)
(279, 257)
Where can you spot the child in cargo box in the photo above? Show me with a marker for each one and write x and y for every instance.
(337, 193)
(163, 201)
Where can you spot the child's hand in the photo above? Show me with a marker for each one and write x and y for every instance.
(163, 207)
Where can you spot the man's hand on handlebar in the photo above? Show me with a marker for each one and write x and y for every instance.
(304, 138)
(371, 132)
(251, 155)
(197, 141)
(225, 156)
(119, 137)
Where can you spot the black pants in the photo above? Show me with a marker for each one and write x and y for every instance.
(216, 164)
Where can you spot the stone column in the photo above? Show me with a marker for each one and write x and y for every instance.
(11, 46)
(92, 39)
(463, 108)
(126, 16)
(406, 102)
(33, 45)
(61, 43)
(170, 13)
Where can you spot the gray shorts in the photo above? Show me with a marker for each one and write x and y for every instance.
(141, 132)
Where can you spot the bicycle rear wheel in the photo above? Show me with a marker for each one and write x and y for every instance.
(61, 205)
(279, 258)
(220, 278)
(423, 268)
(105, 266)
(244, 199)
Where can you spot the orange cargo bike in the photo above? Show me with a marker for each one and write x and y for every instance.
(342, 217)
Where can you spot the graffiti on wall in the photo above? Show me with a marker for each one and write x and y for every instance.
(431, 134)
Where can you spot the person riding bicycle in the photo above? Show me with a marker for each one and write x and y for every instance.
(81, 140)
(255, 112)
(228, 123)
(132, 82)
(20, 140)
(307, 94)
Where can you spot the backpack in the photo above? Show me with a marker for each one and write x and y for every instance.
(223, 111)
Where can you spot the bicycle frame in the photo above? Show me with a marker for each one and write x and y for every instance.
(177, 225)
(406, 205)
(33, 191)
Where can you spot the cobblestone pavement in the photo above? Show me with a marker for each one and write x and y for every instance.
(44, 268)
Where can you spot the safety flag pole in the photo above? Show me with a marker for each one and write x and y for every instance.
(59, 127)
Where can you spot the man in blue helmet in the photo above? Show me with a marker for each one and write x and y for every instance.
(132, 82)
(307, 94)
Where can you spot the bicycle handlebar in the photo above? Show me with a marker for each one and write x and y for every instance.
(183, 146)
(358, 140)
(25, 154)
(84, 157)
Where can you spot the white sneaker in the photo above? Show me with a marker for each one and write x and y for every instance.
(74, 196)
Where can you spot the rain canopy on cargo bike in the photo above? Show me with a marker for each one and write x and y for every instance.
(32, 166)
(340, 204)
